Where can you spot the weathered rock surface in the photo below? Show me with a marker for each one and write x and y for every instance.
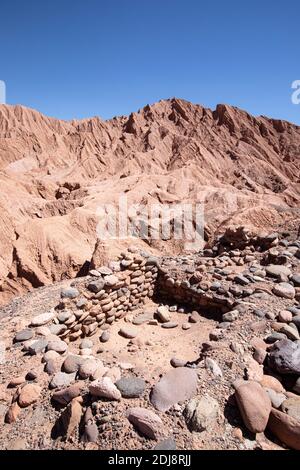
(177, 385)
(201, 413)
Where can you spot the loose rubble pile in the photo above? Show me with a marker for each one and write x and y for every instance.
(237, 301)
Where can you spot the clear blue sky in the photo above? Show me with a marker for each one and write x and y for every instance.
(74, 59)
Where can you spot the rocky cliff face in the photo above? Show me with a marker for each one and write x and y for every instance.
(54, 175)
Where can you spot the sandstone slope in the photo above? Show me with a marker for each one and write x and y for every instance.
(54, 175)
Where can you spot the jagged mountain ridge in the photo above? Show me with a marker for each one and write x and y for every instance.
(54, 174)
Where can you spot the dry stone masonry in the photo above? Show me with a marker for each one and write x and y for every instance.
(107, 295)
(233, 312)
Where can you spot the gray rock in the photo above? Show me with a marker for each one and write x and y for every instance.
(131, 387)
(295, 278)
(242, 280)
(86, 344)
(296, 321)
(104, 270)
(224, 325)
(276, 398)
(23, 335)
(57, 346)
(105, 388)
(64, 316)
(294, 310)
(62, 380)
(57, 329)
(143, 317)
(296, 387)
(69, 293)
(230, 316)
(163, 314)
(51, 367)
(201, 413)
(176, 385)
(285, 357)
(72, 363)
(94, 273)
(259, 313)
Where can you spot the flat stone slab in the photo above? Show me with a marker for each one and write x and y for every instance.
(178, 384)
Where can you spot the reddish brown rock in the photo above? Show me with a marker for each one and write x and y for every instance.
(254, 405)
(285, 428)
(28, 395)
(12, 413)
(64, 396)
(177, 385)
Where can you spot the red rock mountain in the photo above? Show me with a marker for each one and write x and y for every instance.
(55, 174)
